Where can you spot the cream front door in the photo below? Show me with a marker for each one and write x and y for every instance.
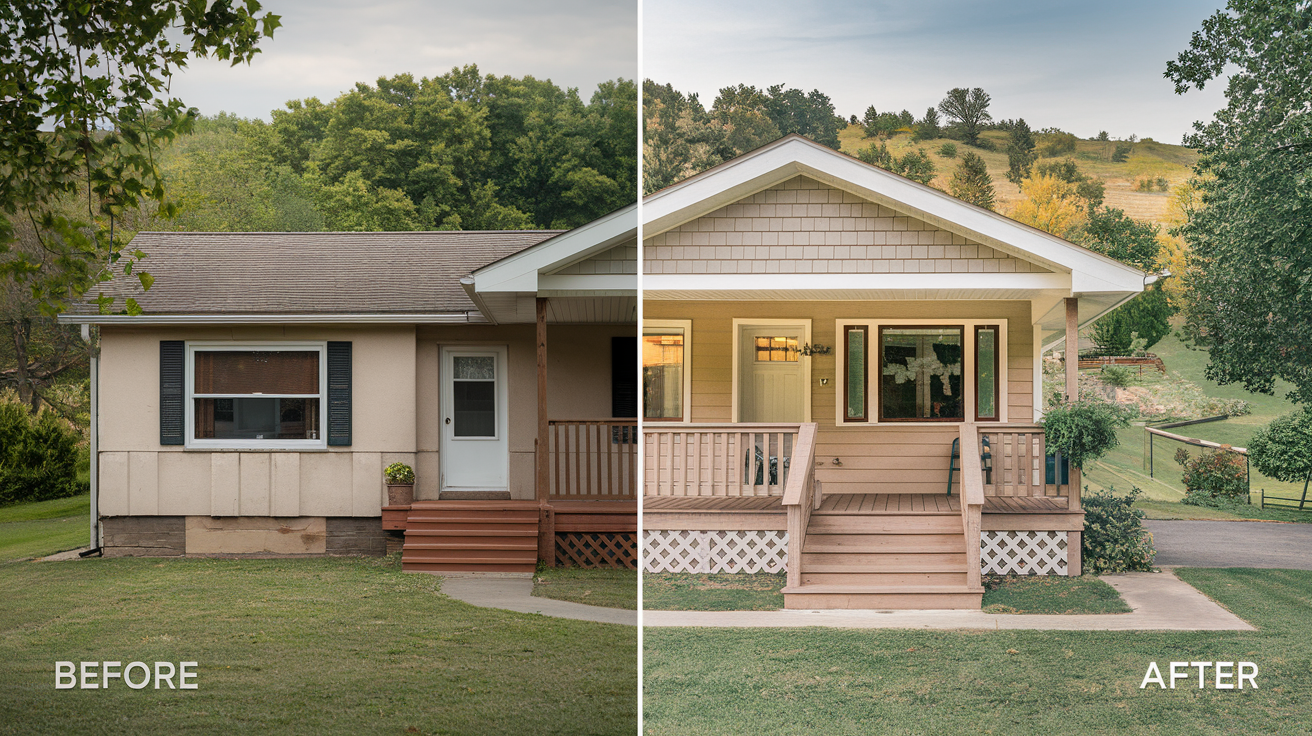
(771, 373)
(475, 448)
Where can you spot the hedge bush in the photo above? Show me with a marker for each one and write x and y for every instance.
(1213, 478)
(1114, 537)
(38, 456)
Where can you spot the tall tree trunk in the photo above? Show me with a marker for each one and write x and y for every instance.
(21, 331)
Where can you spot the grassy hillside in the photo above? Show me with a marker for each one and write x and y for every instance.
(1148, 159)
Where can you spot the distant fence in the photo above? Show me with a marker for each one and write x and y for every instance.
(1152, 433)
(1140, 361)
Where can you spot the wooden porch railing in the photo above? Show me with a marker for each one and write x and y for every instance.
(718, 459)
(972, 500)
(801, 497)
(1019, 464)
(593, 459)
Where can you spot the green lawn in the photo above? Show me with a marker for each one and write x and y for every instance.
(42, 528)
(722, 592)
(837, 681)
(1127, 465)
(608, 588)
(328, 645)
(1051, 594)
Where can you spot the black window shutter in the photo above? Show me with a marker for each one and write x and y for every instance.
(624, 377)
(339, 394)
(172, 377)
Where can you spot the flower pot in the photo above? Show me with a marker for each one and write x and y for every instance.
(400, 494)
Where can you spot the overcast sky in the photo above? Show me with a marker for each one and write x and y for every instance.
(325, 46)
(1077, 65)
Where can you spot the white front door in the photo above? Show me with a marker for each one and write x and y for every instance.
(475, 449)
(771, 373)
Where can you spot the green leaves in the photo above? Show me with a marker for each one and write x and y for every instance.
(1083, 431)
(1283, 449)
(1114, 537)
(108, 124)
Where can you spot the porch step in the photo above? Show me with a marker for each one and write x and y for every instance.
(471, 536)
(884, 524)
(885, 543)
(883, 580)
(888, 562)
(838, 563)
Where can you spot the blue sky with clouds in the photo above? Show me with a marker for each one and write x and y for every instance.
(1080, 66)
(326, 46)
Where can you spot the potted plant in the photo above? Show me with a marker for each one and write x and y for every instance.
(400, 484)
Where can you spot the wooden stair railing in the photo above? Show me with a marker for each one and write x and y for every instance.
(972, 501)
(801, 497)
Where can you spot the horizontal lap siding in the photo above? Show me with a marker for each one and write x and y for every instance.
(885, 458)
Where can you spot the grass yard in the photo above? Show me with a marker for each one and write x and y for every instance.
(837, 681)
(1050, 594)
(326, 645)
(722, 592)
(1125, 466)
(37, 529)
(608, 588)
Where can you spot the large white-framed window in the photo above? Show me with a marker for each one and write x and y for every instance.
(256, 395)
(947, 371)
(666, 370)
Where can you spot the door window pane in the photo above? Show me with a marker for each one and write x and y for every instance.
(475, 408)
(662, 376)
(986, 372)
(475, 367)
(920, 373)
(856, 372)
(776, 350)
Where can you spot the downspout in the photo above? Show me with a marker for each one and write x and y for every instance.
(94, 440)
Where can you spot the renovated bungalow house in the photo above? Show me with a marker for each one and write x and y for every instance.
(842, 379)
(252, 407)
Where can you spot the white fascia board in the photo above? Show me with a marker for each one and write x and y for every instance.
(584, 284)
(797, 282)
(520, 272)
(271, 319)
(779, 162)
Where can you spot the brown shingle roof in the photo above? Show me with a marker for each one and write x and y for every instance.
(313, 273)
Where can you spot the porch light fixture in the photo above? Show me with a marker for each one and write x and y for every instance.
(808, 350)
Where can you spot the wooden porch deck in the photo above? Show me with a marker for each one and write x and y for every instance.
(858, 504)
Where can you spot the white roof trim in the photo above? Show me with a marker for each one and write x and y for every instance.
(793, 155)
(521, 272)
(267, 319)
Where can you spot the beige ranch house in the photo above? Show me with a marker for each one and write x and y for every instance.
(842, 379)
(252, 407)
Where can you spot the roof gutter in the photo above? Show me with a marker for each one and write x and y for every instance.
(467, 283)
(458, 318)
(1148, 280)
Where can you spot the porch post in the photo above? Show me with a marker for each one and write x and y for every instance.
(541, 481)
(1072, 349)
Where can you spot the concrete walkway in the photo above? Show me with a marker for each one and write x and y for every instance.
(514, 592)
(1232, 544)
(1160, 602)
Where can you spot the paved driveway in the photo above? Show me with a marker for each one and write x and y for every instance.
(1232, 544)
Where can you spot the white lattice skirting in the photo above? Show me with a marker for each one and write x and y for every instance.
(714, 551)
(1023, 553)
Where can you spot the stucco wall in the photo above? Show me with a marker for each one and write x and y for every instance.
(875, 458)
(138, 476)
(578, 387)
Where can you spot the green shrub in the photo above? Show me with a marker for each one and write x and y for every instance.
(1122, 152)
(1083, 431)
(1056, 144)
(1283, 448)
(1114, 537)
(1117, 375)
(1213, 477)
(399, 473)
(1146, 317)
(38, 455)
(948, 150)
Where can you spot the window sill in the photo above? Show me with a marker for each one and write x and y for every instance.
(256, 449)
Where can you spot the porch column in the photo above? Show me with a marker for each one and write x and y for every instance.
(1072, 348)
(542, 477)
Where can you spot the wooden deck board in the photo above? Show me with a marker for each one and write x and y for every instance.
(858, 504)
